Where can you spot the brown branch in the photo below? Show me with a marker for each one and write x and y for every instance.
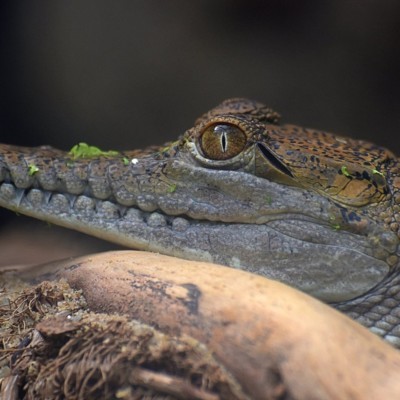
(174, 386)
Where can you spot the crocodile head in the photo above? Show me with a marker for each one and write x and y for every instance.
(315, 210)
(309, 208)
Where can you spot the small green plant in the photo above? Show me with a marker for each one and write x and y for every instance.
(172, 188)
(125, 160)
(345, 172)
(268, 200)
(376, 172)
(334, 224)
(83, 150)
(32, 169)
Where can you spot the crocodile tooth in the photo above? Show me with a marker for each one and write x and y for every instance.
(122, 210)
(19, 195)
(87, 192)
(71, 198)
(47, 196)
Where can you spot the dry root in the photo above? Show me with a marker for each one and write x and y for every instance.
(53, 348)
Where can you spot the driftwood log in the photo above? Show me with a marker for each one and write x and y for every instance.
(204, 332)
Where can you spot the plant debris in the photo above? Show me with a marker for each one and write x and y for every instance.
(83, 150)
(52, 347)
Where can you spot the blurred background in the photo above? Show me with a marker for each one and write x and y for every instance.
(131, 73)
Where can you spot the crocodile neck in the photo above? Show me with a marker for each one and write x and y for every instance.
(317, 211)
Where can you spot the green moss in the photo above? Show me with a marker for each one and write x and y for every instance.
(268, 200)
(32, 169)
(83, 150)
(334, 224)
(125, 160)
(172, 188)
(376, 172)
(345, 172)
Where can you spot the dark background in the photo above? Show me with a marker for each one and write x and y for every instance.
(125, 74)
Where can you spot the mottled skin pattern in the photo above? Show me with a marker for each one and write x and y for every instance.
(318, 211)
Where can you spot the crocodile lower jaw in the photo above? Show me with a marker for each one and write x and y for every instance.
(300, 252)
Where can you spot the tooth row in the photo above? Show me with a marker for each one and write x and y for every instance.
(87, 207)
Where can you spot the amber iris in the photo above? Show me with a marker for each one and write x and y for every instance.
(222, 141)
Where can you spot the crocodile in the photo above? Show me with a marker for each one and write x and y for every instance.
(317, 211)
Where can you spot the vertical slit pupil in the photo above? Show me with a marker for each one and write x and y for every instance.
(224, 142)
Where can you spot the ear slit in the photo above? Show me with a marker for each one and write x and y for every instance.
(273, 160)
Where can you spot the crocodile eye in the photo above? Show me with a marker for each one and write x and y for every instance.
(222, 141)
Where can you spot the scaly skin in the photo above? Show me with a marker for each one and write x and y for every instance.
(315, 210)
